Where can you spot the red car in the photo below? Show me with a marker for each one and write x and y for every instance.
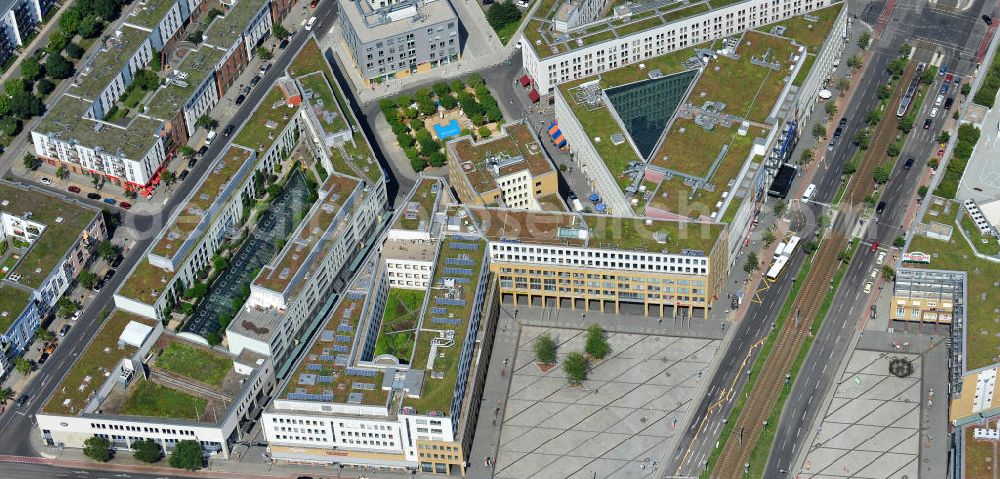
(313, 3)
(874, 247)
(74, 189)
(124, 204)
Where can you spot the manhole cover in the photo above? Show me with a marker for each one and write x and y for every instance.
(642, 419)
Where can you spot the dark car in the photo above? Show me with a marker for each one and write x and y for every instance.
(283, 44)
(202, 150)
(908, 164)
(229, 130)
(93, 196)
(838, 133)
(183, 175)
(125, 204)
(108, 274)
(110, 201)
(192, 162)
(264, 68)
(948, 103)
(64, 330)
(313, 3)
(880, 208)
(843, 122)
(44, 357)
(988, 19)
(927, 123)
(118, 259)
(21, 401)
(99, 284)
(254, 81)
(240, 99)
(73, 189)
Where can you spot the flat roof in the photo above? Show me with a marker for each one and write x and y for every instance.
(305, 248)
(516, 141)
(65, 121)
(13, 300)
(428, 13)
(267, 121)
(150, 14)
(450, 306)
(110, 59)
(91, 368)
(420, 206)
(64, 223)
(322, 371)
(323, 103)
(810, 30)
(226, 30)
(190, 73)
(596, 231)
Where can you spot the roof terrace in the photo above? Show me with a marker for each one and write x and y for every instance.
(65, 121)
(63, 223)
(109, 61)
(305, 248)
(225, 31)
(188, 76)
(446, 322)
(485, 161)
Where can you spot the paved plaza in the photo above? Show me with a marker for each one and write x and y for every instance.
(618, 424)
(872, 426)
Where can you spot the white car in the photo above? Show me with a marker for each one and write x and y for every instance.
(934, 112)
(881, 258)
(46, 182)
(868, 287)
(76, 315)
(938, 100)
(874, 274)
(310, 23)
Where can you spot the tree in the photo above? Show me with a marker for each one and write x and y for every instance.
(23, 366)
(279, 31)
(854, 62)
(185, 150)
(884, 92)
(108, 251)
(87, 279)
(74, 51)
(196, 37)
(870, 200)
(418, 164)
(888, 273)
(90, 27)
(69, 21)
(899, 242)
(831, 108)
(927, 77)
(807, 156)
(844, 256)
(896, 67)
(197, 291)
(874, 116)
(893, 149)
(905, 49)
(107, 9)
(31, 162)
(752, 263)
(57, 41)
(45, 86)
(156, 62)
(66, 307)
(850, 167)
(44, 335)
(881, 174)
(6, 394)
(810, 247)
(597, 345)
(864, 40)
(168, 177)
(843, 85)
(57, 67)
(966, 89)
(437, 159)
(484, 132)
(501, 14)
(768, 236)
(545, 349)
(146, 79)
(31, 70)
(943, 137)
(779, 208)
(98, 449)
(863, 138)
(146, 450)
(62, 173)
(922, 191)
(188, 455)
(906, 123)
(264, 53)
(575, 367)
(207, 122)
(819, 131)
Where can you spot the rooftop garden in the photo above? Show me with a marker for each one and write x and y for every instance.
(983, 323)
(146, 282)
(323, 98)
(151, 13)
(453, 309)
(516, 140)
(195, 363)
(811, 32)
(93, 365)
(151, 399)
(267, 121)
(425, 197)
(399, 323)
(634, 234)
(223, 32)
(108, 63)
(13, 300)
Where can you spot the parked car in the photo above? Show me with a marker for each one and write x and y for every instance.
(44, 357)
(240, 99)
(108, 274)
(124, 204)
(283, 44)
(93, 196)
(310, 23)
(313, 3)
(908, 164)
(192, 162)
(938, 100)
(988, 19)
(264, 68)
(202, 151)
(110, 201)
(934, 112)
(229, 130)
(842, 123)
(119, 258)
(183, 175)
(64, 330)
(880, 208)
(881, 257)
(868, 287)
(99, 285)
(948, 103)
(73, 189)
(21, 401)
(46, 182)
(254, 81)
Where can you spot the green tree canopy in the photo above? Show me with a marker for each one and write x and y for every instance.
(31, 70)
(146, 450)
(597, 345)
(575, 366)
(57, 67)
(98, 449)
(188, 455)
(545, 349)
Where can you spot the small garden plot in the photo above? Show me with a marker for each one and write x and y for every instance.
(399, 323)
(194, 363)
(153, 400)
(418, 120)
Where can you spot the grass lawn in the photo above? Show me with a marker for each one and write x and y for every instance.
(153, 400)
(254, 134)
(399, 323)
(986, 245)
(693, 151)
(983, 345)
(194, 363)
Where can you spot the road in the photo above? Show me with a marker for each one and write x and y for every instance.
(833, 337)
(17, 425)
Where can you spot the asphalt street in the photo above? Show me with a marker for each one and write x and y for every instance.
(818, 372)
(13, 470)
(17, 425)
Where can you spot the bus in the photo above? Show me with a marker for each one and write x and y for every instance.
(790, 247)
(779, 250)
(776, 267)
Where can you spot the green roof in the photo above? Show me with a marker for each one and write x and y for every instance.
(13, 300)
(194, 362)
(151, 14)
(63, 224)
(110, 60)
(420, 206)
(173, 97)
(811, 32)
(516, 139)
(65, 121)
(438, 393)
(323, 101)
(270, 118)
(226, 30)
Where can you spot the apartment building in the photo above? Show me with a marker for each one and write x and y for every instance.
(552, 56)
(245, 24)
(510, 170)
(928, 296)
(381, 390)
(18, 23)
(408, 251)
(45, 242)
(136, 381)
(400, 38)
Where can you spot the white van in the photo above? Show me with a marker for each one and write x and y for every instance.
(209, 137)
(809, 192)
(310, 23)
